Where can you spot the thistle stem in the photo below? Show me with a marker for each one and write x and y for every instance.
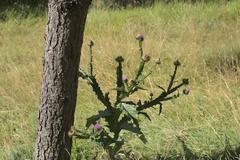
(90, 64)
(160, 98)
(172, 78)
(140, 49)
(120, 83)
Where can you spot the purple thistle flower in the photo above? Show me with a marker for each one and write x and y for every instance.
(124, 78)
(140, 37)
(186, 91)
(98, 127)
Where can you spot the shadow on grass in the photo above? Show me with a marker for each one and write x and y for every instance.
(20, 11)
(224, 62)
(229, 153)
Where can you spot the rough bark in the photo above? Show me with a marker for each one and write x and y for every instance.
(64, 36)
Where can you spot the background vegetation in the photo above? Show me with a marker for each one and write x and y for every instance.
(206, 39)
(103, 3)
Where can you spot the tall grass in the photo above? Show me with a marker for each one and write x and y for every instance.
(205, 37)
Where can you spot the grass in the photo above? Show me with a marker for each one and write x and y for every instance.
(204, 37)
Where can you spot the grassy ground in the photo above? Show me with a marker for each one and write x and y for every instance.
(205, 38)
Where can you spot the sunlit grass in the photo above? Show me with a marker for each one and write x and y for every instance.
(203, 37)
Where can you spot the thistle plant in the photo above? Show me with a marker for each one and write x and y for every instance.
(123, 114)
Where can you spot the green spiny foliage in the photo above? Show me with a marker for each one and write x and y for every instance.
(96, 88)
(122, 114)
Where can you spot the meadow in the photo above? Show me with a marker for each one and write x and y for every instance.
(204, 37)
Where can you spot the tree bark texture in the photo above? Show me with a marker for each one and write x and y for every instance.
(64, 36)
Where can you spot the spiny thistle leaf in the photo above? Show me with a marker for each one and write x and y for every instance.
(130, 109)
(96, 88)
(143, 138)
(141, 135)
(101, 114)
(130, 127)
(81, 135)
(146, 115)
(84, 75)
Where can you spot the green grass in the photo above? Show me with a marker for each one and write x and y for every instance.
(206, 39)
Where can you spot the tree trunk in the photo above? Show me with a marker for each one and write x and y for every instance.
(64, 36)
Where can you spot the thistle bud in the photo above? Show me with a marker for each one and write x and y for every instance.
(71, 132)
(177, 63)
(158, 61)
(151, 94)
(133, 82)
(185, 81)
(119, 59)
(140, 37)
(90, 43)
(186, 91)
(146, 58)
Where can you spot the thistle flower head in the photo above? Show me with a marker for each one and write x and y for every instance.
(151, 94)
(124, 78)
(140, 37)
(119, 59)
(158, 61)
(71, 132)
(90, 43)
(98, 127)
(133, 82)
(185, 81)
(177, 63)
(146, 58)
(186, 91)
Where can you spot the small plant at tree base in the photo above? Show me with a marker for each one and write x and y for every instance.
(124, 114)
